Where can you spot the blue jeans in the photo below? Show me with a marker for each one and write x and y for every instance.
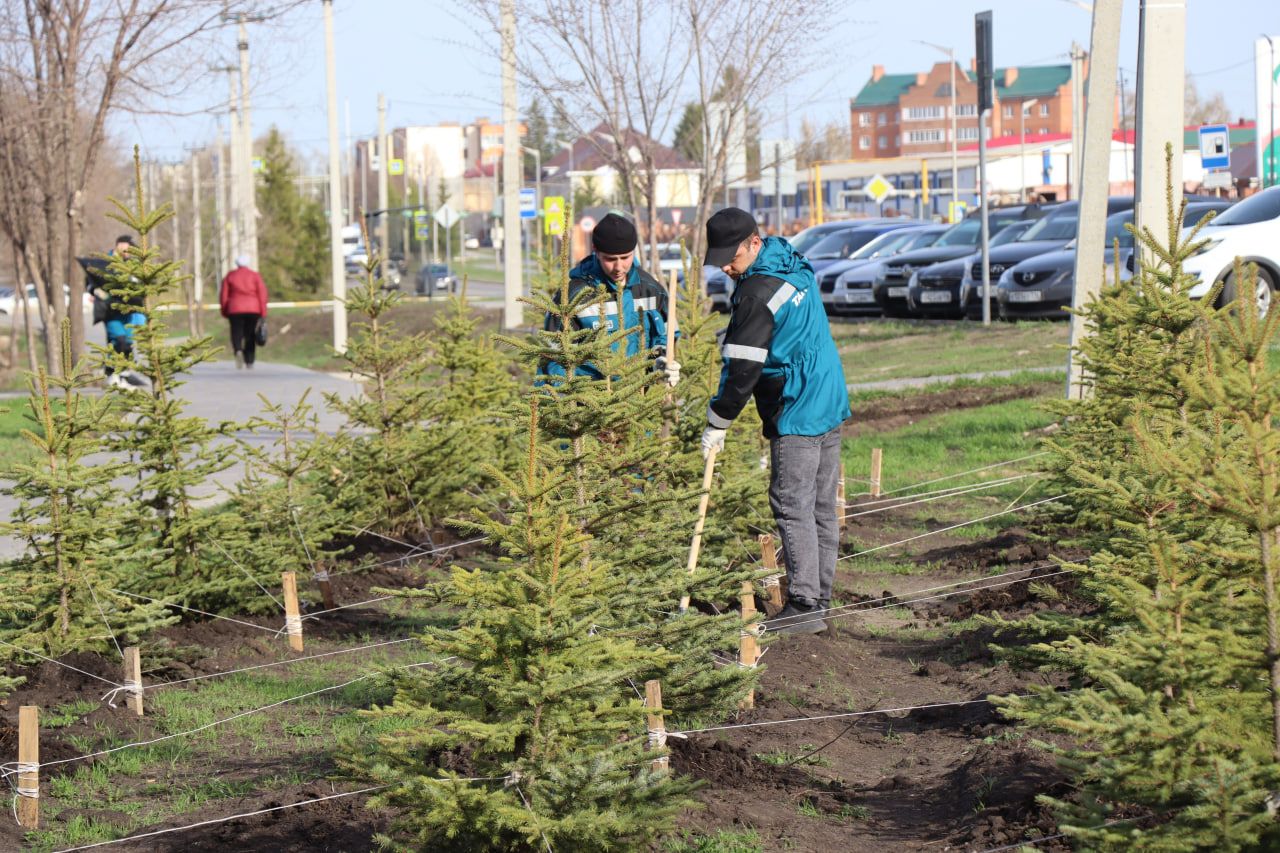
(119, 335)
(803, 472)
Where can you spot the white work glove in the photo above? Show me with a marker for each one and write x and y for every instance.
(671, 368)
(712, 439)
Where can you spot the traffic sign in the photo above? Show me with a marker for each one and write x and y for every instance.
(423, 232)
(1217, 181)
(676, 214)
(1215, 146)
(395, 167)
(257, 164)
(956, 211)
(586, 223)
(420, 216)
(446, 216)
(878, 188)
(553, 215)
(528, 203)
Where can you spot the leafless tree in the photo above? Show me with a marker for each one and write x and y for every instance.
(620, 73)
(65, 67)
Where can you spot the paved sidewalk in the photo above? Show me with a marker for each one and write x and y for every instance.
(218, 392)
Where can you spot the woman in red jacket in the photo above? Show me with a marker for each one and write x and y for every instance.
(243, 297)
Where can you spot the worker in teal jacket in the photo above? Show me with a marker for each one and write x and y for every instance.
(642, 300)
(778, 348)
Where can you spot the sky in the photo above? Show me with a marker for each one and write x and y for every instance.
(434, 65)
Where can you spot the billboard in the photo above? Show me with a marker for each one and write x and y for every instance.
(1266, 57)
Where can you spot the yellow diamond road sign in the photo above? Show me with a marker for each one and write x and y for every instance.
(878, 188)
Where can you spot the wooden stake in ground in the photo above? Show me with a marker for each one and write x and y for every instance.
(292, 619)
(695, 546)
(748, 647)
(326, 588)
(840, 505)
(29, 767)
(772, 583)
(657, 726)
(671, 350)
(876, 456)
(133, 677)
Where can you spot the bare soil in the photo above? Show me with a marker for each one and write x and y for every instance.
(953, 777)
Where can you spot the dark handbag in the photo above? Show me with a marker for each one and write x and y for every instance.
(260, 332)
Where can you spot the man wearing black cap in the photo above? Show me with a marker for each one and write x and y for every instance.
(634, 297)
(778, 347)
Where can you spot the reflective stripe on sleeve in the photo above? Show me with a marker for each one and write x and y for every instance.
(780, 298)
(717, 421)
(745, 353)
(647, 303)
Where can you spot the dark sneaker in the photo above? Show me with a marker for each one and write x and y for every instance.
(797, 618)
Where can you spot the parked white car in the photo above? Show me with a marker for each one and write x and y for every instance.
(9, 301)
(669, 258)
(1248, 230)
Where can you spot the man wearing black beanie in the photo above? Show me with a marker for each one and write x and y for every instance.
(633, 297)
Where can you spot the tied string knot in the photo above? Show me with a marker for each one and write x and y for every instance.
(293, 625)
(322, 575)
(13, 773)
(657, 738)
(771, 581)
(131, 687)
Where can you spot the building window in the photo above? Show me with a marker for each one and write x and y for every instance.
(882, 119)
(919, 137)
(1044, 131)
(883, 142)
(1044, 110)
(922, 113)
(967, 134)
(1008, 110)
(966, 110)
(864, 142)
(864, 119)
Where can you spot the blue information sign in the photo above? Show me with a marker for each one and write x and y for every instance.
(1215, 146)
(528, 203)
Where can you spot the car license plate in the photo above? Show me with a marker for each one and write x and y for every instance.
(935, 296)
(860, 296)
(1024, 296)
(895, 292)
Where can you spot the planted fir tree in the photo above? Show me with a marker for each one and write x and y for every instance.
(60, 593)
(636, 495)
(1172, 744)
(174, 455)
(282, 522)
(377, 475)
(528, 707)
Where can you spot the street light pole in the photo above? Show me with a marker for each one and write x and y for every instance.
(512, 278)
(1268, 153)
(336, 267)
(1022, 147)
(955, 180)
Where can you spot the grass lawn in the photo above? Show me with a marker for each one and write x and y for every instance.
(14, 416)
(894, 349)
(949, 443)
(304, 336)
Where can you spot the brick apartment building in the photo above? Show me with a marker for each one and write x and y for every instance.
(902, 115)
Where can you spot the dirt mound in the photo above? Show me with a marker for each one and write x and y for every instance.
(891, 412)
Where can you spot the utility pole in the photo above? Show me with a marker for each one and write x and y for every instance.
(248, 190)
(777, 183)
(1077, 120)
(350, 169)
(513, 283)
(197, 238)
(384, 165)
(986, 88)
(1104, 54)
(220, 206)
(1162, 41)
(337, 271)
(235, 207)
(422, 244)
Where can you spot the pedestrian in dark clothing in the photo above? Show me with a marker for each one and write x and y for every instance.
(634, 299)
(778, 347)
(243, 298)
